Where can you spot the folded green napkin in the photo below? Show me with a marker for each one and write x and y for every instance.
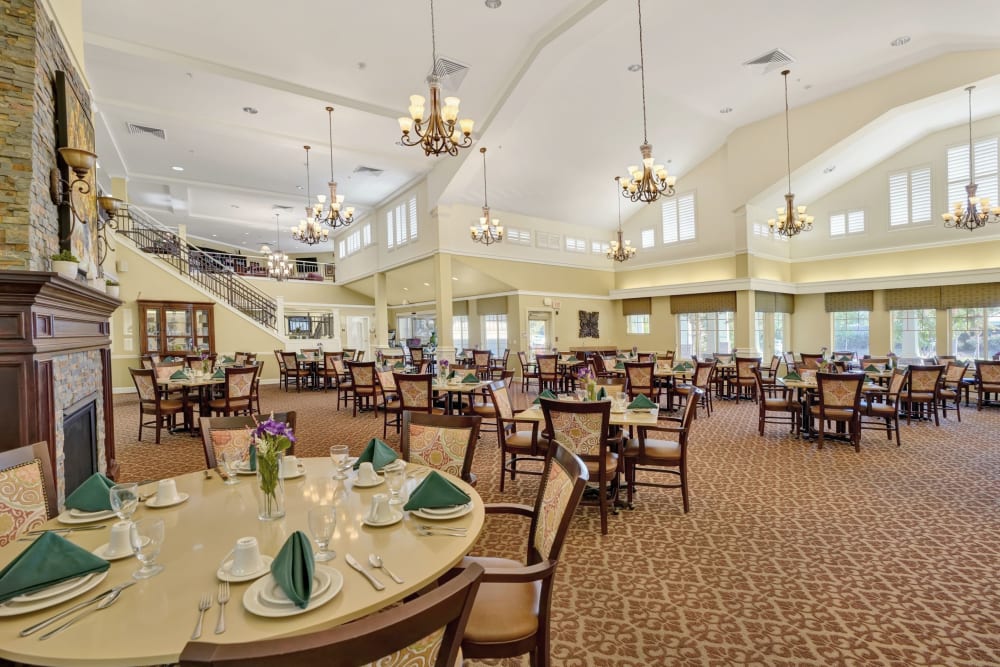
(91, 496)
(793, 376)
(601, 395)
(619, 366)
(228, 360)
(377, 453)
(871, 368)
(544, 394)
(219, 374)
(399, 364)
(50, 560)
(178, 375)
(680, 367)
(641, 403)
(169, 359)
(292, 569)
(451, 374)
(300, 356)
(621, 356)
(470, 379)
(688, 365)
(436, 491)
(844, 358)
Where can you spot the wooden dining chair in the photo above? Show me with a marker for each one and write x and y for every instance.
(950, 389)
(529, 372)
(639, 380)
(769, 377)
(781, 409)
(293, 371)
(811, 360)
(499, 365)
(164, 370)
(237, 393)
(27, 490)
(282, 370)
(362, 384)
(482, 360)
(416, 393)
(428, 630)
(443, 442)
(839, 400)
(583, 429)
(416, 355)
(328, 373)
(987, 382)
(884, 414)
(390, 404)
(922, 389)
(704, 375)
(515, 445)
(548, 371)
(511, 614)
(221, 434)
(744, 380)
(151, 402)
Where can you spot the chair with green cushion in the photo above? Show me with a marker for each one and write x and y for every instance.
(27, 472)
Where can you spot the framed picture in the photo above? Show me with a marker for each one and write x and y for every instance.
(330, 271)
(588, 324)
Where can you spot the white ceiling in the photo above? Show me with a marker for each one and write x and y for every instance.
(548, 86)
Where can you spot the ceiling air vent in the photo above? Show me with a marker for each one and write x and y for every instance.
(451, 73)
(143, 129)
(770, 61)
(280, 208)
(362, 169)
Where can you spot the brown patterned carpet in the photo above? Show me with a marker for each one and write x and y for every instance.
(790, 555)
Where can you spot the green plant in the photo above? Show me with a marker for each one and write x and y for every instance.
(111, 283)
(65, 256)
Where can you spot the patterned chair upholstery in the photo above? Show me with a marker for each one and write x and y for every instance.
(885, 414)
(443, 442)
(27, 490)
(529, 371)
(152, 403)
(425, 631)
(950, 389)
(704, 372)
(510, 616)
(416, 393)
(923, 390)
(987, 382)
(839, 400)
(293, 370)
(282, 370)
(640, 380)
(744, 379)
(548, 371)
(222, 434)
(390, 404)
(515, 446)
(781, 409)
(237, 395)
(362, 383)
(811, 360)
(482, 360)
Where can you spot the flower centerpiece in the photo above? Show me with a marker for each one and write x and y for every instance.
(270, 440)
(443, 370)
(585, 376)
(206, 364)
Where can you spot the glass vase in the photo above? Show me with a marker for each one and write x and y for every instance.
(270, 487)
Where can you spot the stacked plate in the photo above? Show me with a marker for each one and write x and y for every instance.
(52, 595)
(79, 516)
(265, 597)
(443, 513)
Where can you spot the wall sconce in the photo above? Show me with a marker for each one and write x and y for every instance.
(116, 211)
(64, 192)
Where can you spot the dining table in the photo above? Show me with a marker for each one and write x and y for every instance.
(460, 389)
(202, 383)
(805, 391)
(152, 621)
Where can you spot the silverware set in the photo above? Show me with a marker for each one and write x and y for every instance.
(205, 603)
(104, 600)
(35, 534)
(428, 530)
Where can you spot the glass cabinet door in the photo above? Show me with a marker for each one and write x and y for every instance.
(179, 330)
(153, 331)
(202, 330)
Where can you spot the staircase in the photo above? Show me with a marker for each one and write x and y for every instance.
(201, 268)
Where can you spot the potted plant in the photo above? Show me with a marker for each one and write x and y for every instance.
(112, 287)
(66, 264)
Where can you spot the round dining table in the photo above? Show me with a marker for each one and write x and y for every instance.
(153, 620)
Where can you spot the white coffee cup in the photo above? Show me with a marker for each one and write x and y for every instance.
(166, 492)
(380, 511)
(366, 473)
(246, 557)
(118, 541)
(289, 466)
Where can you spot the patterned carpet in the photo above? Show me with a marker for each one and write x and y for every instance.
(790, 555)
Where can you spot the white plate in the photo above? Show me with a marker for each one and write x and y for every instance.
(81, 514)
(68, 517)
(224, 574)
(181, 497)
(299, 471)
(461, 511)
(102, 551)
(273, 595)
(16, 608)
(640, 411)
(367, 485)
(52, 591)
(396, 518)
(253, 603)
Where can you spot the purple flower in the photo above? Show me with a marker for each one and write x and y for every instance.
(444, 363)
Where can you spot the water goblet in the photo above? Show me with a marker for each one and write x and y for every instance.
(338, 453)
(322, 522)
(394, 478)
(232, 459)
(146, 536)
(124, 500)
(581, 395)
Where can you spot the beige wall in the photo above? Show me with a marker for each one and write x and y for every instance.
(811, 324)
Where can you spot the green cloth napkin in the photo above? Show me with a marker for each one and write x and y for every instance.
(793, 376)
(169, 359)
(544, 394)
(436, 491)
(228, 360)
(619, 366)
(451, 374)
(470, 379)
(688, 365)
(399, 364)
(845, 358)
(601, 395)
(219, 374)
(91, 496)
(377, 453)
(178, 375)
(621, 356)
(680, 367)
(871, 368)
(293, 567)
(641, 403)
(300, 356)
(50, 560)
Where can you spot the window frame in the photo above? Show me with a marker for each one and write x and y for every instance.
(847, 213)
(984, 316)
(909, 315)
(676, 203)
(909, 172)
(992, 193)
(701, 320)
(632, 322)
(841, 318)
(495, 321)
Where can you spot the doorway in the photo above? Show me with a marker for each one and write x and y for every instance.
(357, 334)
(539, 331)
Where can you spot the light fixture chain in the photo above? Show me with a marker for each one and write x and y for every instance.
(642, 76)
(971, 177)
(486, 203)
(308, 193)
(331, 142)
(788, 141)
(617, 179)
(433, 42)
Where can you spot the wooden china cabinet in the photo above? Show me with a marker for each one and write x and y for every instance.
(176, 327)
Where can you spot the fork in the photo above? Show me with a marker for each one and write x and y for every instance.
(203, 606)
(430, 531)
(223, 598)
(444, 529)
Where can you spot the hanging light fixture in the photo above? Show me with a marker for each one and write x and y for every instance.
(435, 132)
(790, 219)
(974, 212)
(620, 250)
(648, 182)
(490, 230)
(333, 216)
(310, 231)
(279, 266)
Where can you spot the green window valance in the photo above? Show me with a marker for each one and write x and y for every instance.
(774, 302)
(643, 306)
(839, 302)
(979, 295)
(913, 298)
(709, 302)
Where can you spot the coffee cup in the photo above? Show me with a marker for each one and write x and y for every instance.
(246, 557)
(380, 511)
(290, 466)
(118, 541)
(366, 473)
(166, 492)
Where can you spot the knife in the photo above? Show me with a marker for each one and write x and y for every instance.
(63, 614)
(64, 530)
(379, 586)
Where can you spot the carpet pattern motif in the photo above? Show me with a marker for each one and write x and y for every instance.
(791, 555)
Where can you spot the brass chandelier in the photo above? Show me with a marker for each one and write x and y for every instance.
(620, 251)
(279, 266)
(332, 216)
(648, 182)
(791, 219)
(490, 230)
(969, 215)
(435, 132)
(310, 231)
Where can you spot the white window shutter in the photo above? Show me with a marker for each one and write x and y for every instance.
(837, 224)
(855, 222)
(670, 221)
(413, 218)
(920, 195)
(899, 213)
(390, 232)
(648, 238)
(685, 206)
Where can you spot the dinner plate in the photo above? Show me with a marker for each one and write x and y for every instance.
(224, 574)
(435, 514)
(640, 411)
(82, 514)
(394, 519)
(102, 551)
(367, 485)
(52, 591)
(253, 603)
(68, 517)
(11, 608)
(181, 497)
(274, 595)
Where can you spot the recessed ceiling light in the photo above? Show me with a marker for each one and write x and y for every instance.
(298, 187)
(726, 110)
(900, 41)
(215, 236)
(493, 4)
(406, 289)
(176, 168)
(235, 205)
(454, 277)
(829, 169)
(246, 233)
(634, 68)
(250, 110)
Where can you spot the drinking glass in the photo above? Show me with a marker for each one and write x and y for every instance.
(339, 455)
(581, 395)
(322, 522)
(395, 476)
(232, 459)
(124, 500)
(146, 536)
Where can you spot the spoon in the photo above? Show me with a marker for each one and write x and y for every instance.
(108, 600)
(376, 562)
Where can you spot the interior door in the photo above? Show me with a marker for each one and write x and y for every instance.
(539, 331)
(357, 334)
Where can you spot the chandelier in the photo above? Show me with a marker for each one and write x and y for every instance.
(332, 216)
(279, 266)
(435, 132)
(648, 182)
(969, 215)
(790, 219)
(310, 231)
(620, 251)
(490, 230)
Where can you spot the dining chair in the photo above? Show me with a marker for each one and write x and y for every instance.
(350, 353)
(255, 394)
(27, 490)
(482, 360)
(782, 409)
(583, 429)
(839, 400)
(922, 389)
(222, 434)
(657, 455)
(164, 370)
(416, 393)
(416, 355)
(481, 404)
(151, 402)
(950, 388)
(987, 382)
(884, 414)
(427, 630)
(499, 365)
(704, 374)
(239, 358)
(329, 373)
(293, 371)
(511, 614)
(362, 384)
(237, 395)
(639, 380)
(811, 360)
(391, 404)
(443, 442)
(744, 379)
(548, 371)
(769, 377)
(282, 370)
(529, 372)
(519, 446)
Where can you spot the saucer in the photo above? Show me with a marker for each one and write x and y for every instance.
(394, 519)
(181, 497)
(366, 485)
(85, 517)
(436, 515)
(253, 603)
(102, 551)
(299, 471)
(224, 575)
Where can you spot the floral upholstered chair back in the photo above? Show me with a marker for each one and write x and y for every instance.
(609, 363)
(924, 379)
(417, 354)
(954, 374)
(165, 369)
(703, 374)
(988, 371)
(438, 447)
(582, 431)
(745, 366)
(145, 383)
(414, 391)
(362, 375)
(546, 364)
(230, 440)
(239, 382)
(387, 382)
(840, 391)
(25, 493)
(240, 358)
(481, 358)
(896, 384)
(556, 495)
(501, 399)
(640, 377)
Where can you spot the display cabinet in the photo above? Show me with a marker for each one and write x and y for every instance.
(176, 327)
